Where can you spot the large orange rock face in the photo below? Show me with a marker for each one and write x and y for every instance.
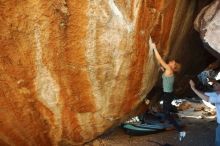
(71, 70)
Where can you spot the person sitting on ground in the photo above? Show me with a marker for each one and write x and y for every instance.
(167, 82)
(213, 97)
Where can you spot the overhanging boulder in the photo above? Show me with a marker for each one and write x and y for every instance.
(208, 24)
(70, 70)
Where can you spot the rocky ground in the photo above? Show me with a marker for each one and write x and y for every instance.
(200, 132)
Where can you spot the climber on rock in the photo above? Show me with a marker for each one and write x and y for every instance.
(168, 77)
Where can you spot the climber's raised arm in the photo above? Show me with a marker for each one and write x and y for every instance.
(160, 59)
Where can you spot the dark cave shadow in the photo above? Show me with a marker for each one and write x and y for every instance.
(166, 144)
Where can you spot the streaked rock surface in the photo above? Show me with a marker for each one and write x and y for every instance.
(70, 70)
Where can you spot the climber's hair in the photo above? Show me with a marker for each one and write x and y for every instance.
(178, 66)
(172, 59)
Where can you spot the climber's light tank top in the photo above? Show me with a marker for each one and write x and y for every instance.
(168, 83)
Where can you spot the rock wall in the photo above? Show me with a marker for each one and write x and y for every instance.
(70, 70)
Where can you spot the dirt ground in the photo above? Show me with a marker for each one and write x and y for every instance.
(200, 132)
